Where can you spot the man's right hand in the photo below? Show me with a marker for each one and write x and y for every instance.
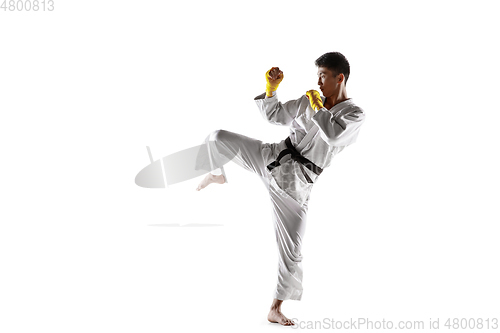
(273, 78)
(314, 99)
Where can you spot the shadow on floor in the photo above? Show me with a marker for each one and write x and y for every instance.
(185, 225)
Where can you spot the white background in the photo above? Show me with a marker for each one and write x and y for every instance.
(402, 226)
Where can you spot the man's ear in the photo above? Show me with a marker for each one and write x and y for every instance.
(341, 78)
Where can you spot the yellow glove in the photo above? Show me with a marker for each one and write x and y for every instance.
(314, 99)
(273, 78)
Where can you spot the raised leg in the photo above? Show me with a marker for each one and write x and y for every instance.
(224, 146)
(209, 179)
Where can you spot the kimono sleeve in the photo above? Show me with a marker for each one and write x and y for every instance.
(340, 129)
(277, 113)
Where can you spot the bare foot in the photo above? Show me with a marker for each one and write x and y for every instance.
(209, 179)
(275, 316)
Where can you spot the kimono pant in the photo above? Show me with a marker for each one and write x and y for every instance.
(288, 216)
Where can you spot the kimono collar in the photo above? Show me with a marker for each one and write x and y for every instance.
(337, 106)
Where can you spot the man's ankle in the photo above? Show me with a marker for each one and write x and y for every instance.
(275, 307)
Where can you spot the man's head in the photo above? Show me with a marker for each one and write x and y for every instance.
(333, 70)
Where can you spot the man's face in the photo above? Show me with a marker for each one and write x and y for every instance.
(327, 81)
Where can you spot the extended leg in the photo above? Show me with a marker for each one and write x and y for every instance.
(224, 146)
(211, 178)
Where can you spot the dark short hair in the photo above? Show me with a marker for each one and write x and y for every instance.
(335, 62)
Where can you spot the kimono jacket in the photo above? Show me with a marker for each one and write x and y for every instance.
(317, 136)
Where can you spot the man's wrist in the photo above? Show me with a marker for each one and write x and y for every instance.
(270, 94)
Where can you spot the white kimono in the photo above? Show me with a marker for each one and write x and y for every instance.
(316, 136)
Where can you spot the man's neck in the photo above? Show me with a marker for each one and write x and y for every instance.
(335, 99)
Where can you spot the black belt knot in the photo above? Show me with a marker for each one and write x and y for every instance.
(297, 157)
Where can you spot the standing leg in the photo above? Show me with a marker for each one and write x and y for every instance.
(289, 217)
(290, 223)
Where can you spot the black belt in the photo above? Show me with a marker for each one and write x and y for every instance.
(297, 157)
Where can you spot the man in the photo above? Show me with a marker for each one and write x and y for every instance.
(320, 127)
